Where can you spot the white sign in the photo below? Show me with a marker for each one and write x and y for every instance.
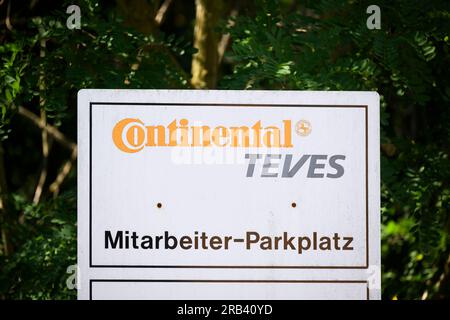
(189, 194)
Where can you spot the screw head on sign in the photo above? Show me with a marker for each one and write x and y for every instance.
(303, 128)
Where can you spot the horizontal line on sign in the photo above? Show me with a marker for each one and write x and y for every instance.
(229, 281)
(228, 104)
(238, 240)
(228, 267)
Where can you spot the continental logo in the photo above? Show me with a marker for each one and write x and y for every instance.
(132, 135)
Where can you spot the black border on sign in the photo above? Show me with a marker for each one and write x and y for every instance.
(227, 281)
(229, 266)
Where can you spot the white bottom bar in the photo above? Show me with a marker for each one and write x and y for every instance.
(227, 290)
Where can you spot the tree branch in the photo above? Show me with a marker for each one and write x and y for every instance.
(161, 14)
(44, 133)
(63, 173)
(58, 136)
(225, 40)
(51, 130)
(45, 152)
(8, 17)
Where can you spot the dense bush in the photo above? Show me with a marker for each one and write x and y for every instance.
(407, 63)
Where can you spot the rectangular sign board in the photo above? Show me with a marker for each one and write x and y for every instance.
(272, 192)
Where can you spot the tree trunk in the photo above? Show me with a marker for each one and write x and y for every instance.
(205, 61)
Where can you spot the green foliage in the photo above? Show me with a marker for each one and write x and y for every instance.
(47, 238)
(103, 54)
(43, 65)
(407, 63)
(11, 72)
(415, 216)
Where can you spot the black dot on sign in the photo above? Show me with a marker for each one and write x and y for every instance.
(293, 204)
(159, 205)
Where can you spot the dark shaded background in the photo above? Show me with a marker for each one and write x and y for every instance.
(274, 45)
